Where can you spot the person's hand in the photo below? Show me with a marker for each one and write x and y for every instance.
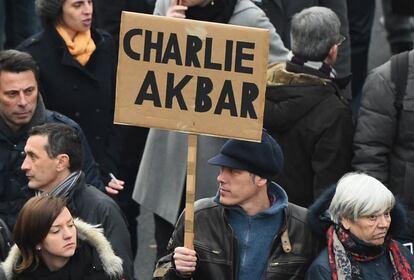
(175, 10)
(185, 260)
(114, 186)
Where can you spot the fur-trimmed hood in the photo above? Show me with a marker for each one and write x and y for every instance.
(319, 220)
(91, 234)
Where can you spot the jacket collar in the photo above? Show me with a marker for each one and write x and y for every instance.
(111, 263)
(319, 69)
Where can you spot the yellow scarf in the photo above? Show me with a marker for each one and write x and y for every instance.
(82, 46)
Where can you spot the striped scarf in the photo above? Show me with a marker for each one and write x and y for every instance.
(63, 189)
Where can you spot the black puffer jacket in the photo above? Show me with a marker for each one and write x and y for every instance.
(383, 144)
(314, 127)
(13, 182)
(217, 250)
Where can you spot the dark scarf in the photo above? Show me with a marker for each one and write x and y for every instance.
(297, 64)
(216, 11)
(64, 188)
(346, 252)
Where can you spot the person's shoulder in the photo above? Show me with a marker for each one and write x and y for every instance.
(296, 212)
(244, 5)
(102, 34)
(319, 269)
(204, 204)
(55, 117)
(407, 254)
(382, 71)
(32, 42)
(94, 195)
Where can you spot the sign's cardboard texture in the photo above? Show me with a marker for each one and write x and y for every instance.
(191, 76)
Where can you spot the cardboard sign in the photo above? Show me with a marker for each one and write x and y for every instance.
(191, 76)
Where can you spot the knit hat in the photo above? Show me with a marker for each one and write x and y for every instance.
(49, 10)
(264, 159)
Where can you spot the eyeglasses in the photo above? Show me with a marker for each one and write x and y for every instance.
(340, 40)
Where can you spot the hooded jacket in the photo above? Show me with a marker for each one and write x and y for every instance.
(13, 182)
(96, 256)
(312, 124)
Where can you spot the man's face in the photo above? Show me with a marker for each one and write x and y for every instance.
(237, 187)
(40, 169)
(18, 98)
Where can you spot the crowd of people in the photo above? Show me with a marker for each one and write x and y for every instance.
(326, 194)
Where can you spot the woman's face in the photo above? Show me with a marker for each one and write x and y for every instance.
(60, 243)
(371, 229)
(77, 15)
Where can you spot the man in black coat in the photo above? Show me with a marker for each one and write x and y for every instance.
(280, 13)
(53, 166)
(304, 110)
(21, 107)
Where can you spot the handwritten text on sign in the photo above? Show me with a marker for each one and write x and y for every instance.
(191, 76)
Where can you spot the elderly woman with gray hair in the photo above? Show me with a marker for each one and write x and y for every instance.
(360, 218)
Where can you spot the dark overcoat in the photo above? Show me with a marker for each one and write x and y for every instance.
(83, 93)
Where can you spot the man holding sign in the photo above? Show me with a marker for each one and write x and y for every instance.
(248, 230)
(225, 63)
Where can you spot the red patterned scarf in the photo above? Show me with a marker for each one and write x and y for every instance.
(345, 256)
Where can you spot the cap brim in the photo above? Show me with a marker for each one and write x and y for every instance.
(223, 160)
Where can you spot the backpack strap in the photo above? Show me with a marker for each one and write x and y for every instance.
(399, 74)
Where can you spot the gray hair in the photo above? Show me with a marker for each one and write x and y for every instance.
(49, 10)
(313, 32)
(358, 195)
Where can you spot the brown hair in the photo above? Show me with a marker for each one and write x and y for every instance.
(32, 226)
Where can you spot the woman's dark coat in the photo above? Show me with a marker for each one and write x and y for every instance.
(83, 93)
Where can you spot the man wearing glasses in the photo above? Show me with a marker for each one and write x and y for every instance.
(304, 109)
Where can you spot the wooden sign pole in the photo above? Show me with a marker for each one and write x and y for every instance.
(190, 191)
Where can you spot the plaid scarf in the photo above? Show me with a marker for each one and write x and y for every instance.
(345, 256)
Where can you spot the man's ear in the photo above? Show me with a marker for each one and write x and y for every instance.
(260, 181)
(63, 162)
(333, 53)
